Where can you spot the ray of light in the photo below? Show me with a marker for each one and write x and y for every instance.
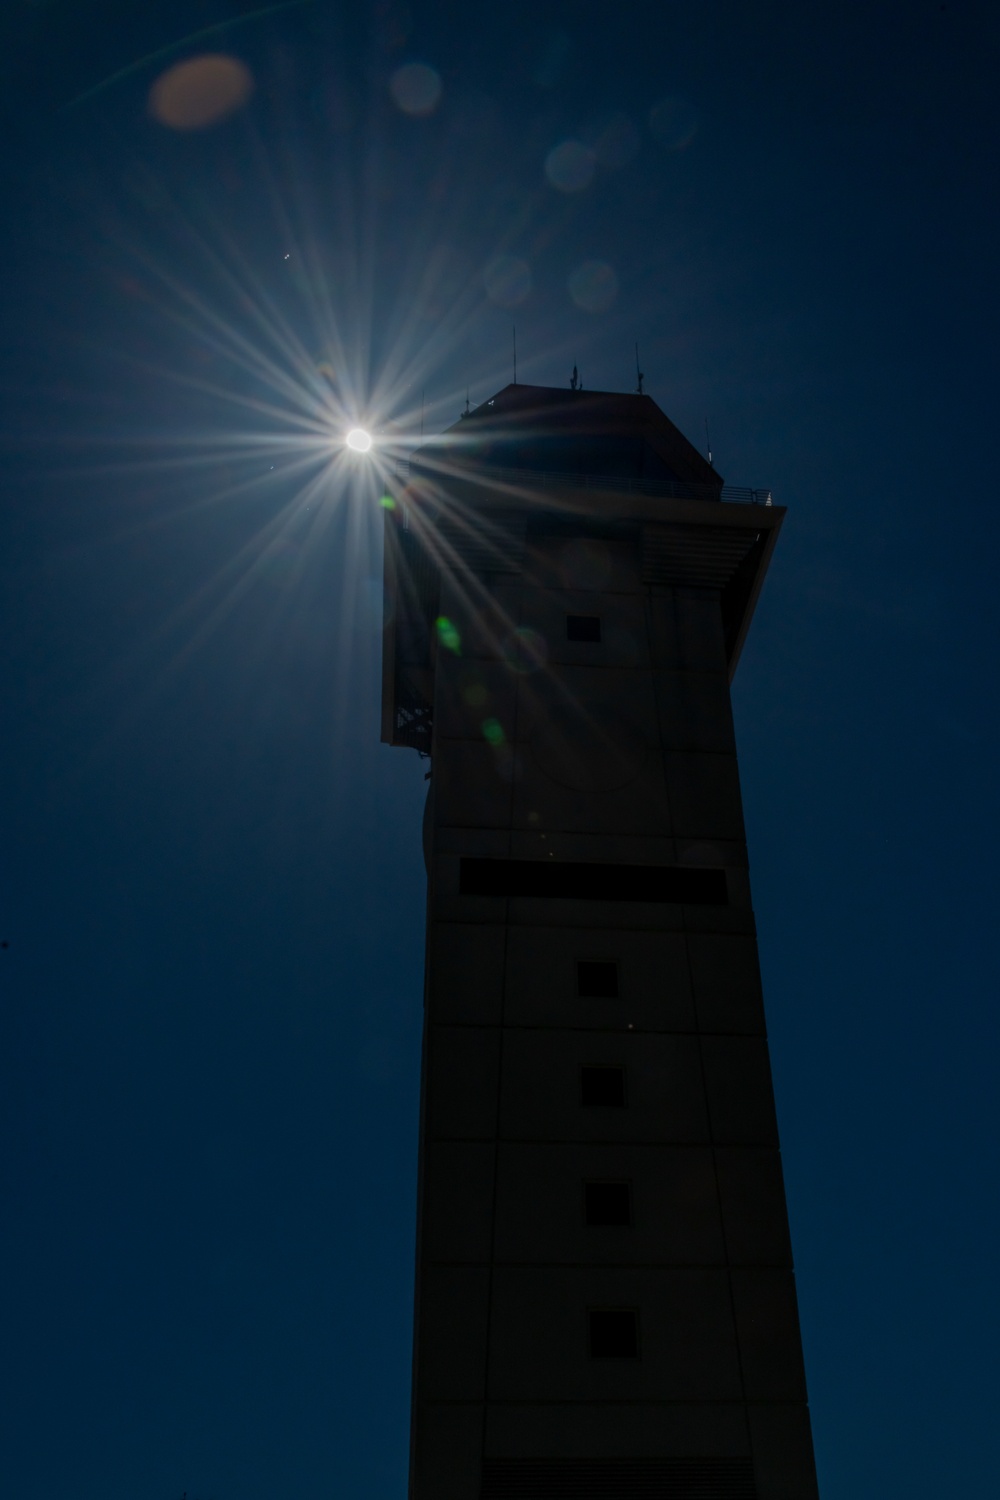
(290, 361)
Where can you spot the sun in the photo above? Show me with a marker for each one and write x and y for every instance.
(358, 439)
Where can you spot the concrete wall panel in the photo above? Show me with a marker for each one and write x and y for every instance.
(587, 701)
(485, 618)
(463, 1070)
(638, 805)
(448, 1452)
(466, 972)
(783, 1462)
(454, 1310)
(704, 794)
(472, 784)
(538, 1336)
(469, 692)
(623, 643)
(540, 1087)
(587, 566)
(770, 1343)
(685, 630)
(694, 711)
(752, 1196)
(738, 1084)
(675, 1210)
(458, 1201)
(725, 978)
(653, 987)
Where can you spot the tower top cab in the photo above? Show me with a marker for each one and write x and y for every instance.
(537, 460)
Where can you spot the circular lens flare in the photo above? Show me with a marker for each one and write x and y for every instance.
(358, 439)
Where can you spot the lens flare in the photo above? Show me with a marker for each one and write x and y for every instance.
(200, 91)
(416, 89)
(448, 635)
(358, 439)
(593, 286)
(570, 166)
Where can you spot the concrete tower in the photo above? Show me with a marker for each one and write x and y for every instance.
(605, 1304)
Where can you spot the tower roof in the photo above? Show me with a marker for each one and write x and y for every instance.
(555, 429)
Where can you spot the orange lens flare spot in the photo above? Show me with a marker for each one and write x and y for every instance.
(200, 91)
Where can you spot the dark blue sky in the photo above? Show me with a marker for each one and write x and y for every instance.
(212, 882)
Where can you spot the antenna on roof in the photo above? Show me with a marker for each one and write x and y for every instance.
(639, 376)
(466, 412)
(514, 332)
(708, 441)
(574, 379)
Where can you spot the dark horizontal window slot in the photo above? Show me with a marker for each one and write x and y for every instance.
(583, 627)
(597, 979)
(565, 881)
(607, 1204)
(618, 1479)
(602, 1087)
(614, 1333)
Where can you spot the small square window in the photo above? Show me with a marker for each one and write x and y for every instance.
(607, 1204)
(583, 627)
(602, 1086)
(614, 1333)
(597, 979)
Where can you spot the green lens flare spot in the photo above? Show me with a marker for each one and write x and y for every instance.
(448, 635)
(387, 502)
(492, 731)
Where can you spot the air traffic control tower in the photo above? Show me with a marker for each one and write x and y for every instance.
(605, 1305)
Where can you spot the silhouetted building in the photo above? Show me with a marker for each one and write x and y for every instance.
(605, 1302)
